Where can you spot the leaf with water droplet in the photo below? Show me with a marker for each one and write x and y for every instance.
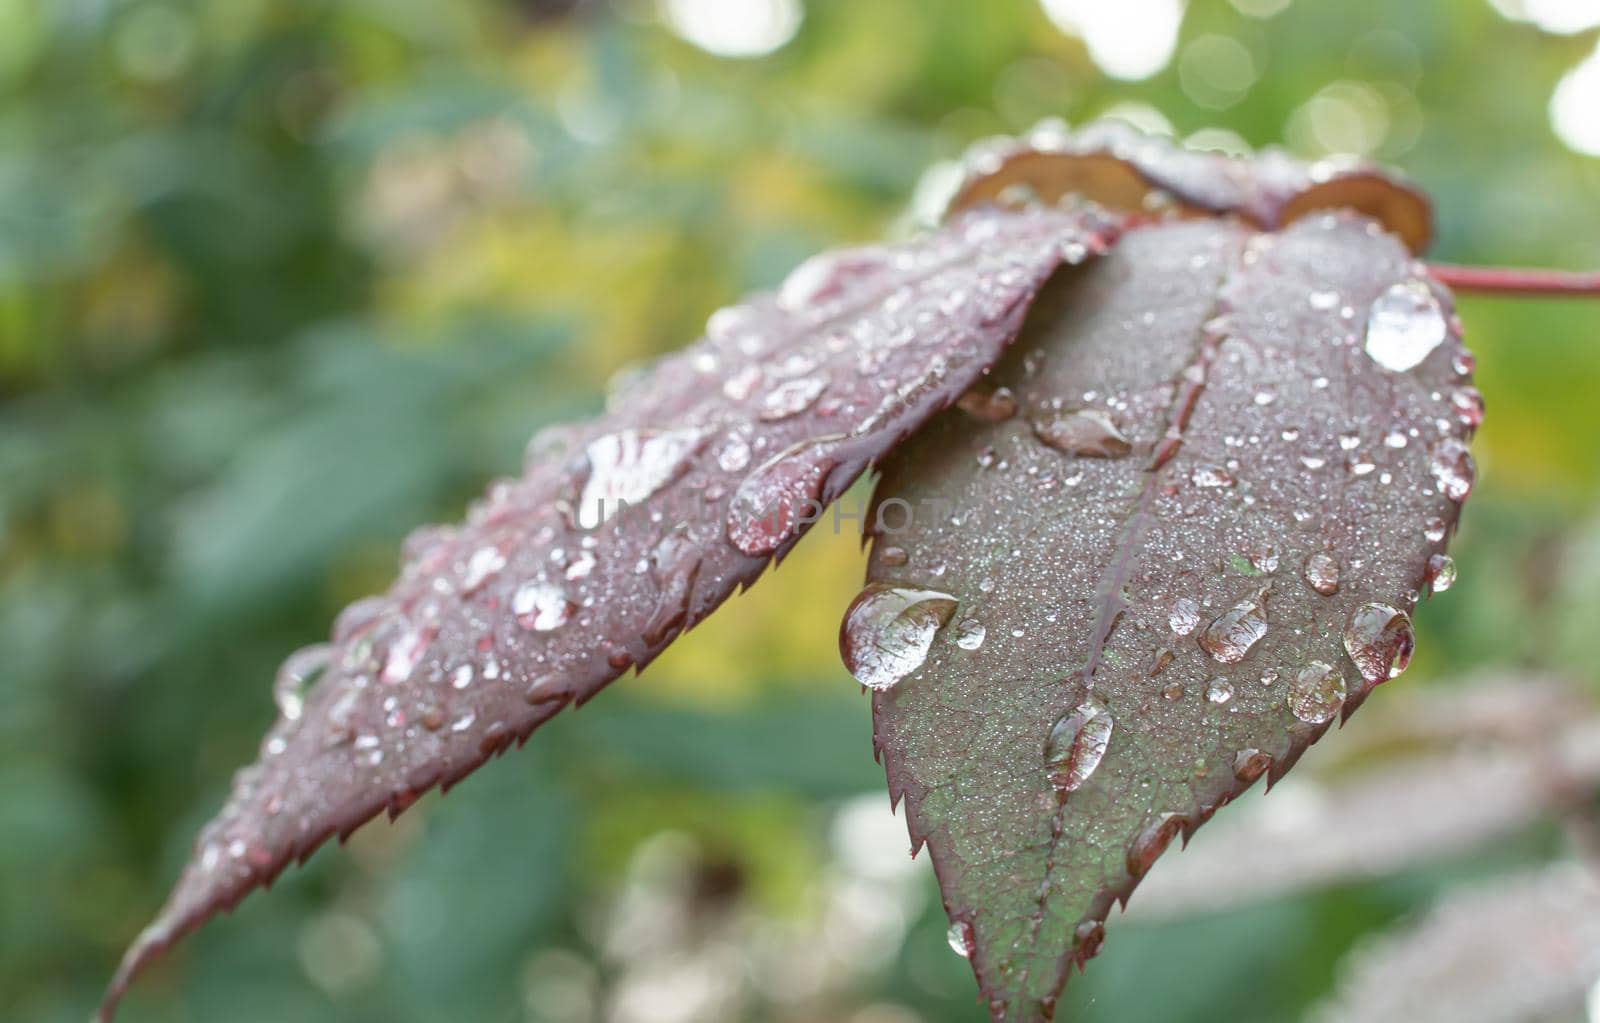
(621, 533)
(1125, 590)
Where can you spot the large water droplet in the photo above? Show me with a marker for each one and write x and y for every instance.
(1452, 466)
(1229, 638)
(1441, 573)
(970, 634)
(779, 496)
(299, 672)
(1405, 324)
(1380, 641)
(1076, 745)
(1088, 432)
(627, 467)
(1316, 693)
(888, 630)
(1150, 843)
(1219, 691)
(541, 606)
(1322, 573)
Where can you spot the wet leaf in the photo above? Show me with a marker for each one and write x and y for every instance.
(1151, 608)
(620, 534)
(1124, 169)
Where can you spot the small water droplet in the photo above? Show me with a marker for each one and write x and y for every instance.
(1087, 938)
(1404, 326)
(541, 605)
(1220, 691)
(1250, 764)
(1229, 638)
(1076, 745)
(994, 406)
(1161, 661)
(299, 673)
(480, 568)
(792, 397)
(464, 722)
(1395, 439)
(1441, 573)
(893, 556)
(1152, 842)
(1090, 433)
(1468, 403)
(405, 653)
(1322, 573)
(461, 677)
(1434, 529)
(888, 630)
(970, 634)
(823, 277)
(779, 496)
(1380, 641)
(1323, 300)
(629, 466)
(1452, 466)
(1317, 693)
(1172, 691)
(1210, 476)
(1184, 617)
(960, 938)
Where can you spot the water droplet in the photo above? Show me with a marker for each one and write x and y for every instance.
(994, 406)
(1250, 764)
(299, 672)
(1076, 745)
(629, 466)
(1454, 469)
(541, 606)
(1087, 432)
(1152, 842)
(1161, 661)
(792, 397)
(480, 568)
(1395, 439)
(405, 653)
(1317, 693)
(888, 630)
(1379, 640)
(1468, 403)
(1404, 326)
(1210, 476)
(1229, 638)
(1434, 529)
(464, 722)
(461, 678)
(1441, 573)
(779, 496)
(893, 556)
(970, 634)
(1087, 938)
(960, 938)
(1184, 617)
(1323, 300)
(824, 277)
(1220, 691)
(1172, 691)
(1322, 573)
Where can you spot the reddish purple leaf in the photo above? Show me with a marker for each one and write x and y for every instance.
(719, 456)
(1123, 169)
(1194, 545)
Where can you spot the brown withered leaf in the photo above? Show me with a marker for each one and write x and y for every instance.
(1124, 169)
(1235, 460)
(621, 533)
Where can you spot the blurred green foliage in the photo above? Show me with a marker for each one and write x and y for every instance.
(281, 279)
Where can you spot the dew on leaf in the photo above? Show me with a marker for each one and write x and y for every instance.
(961, 939)
(792, 397)
(1322, 573)
(1076, 745)
(1090, 433)
(299, 672)
(541, 606)
(888, 630)
(1468, 403)
(994, 406)
(1453, 468)
(629, 466)
(1404, 326)
(1211, 476)
(1316, 693)
(892, 555)
(1441, 573)
(970, 633)
(1434, 529)
(779, 496)
(1250, 764)
(1231, 635)
(1185, 615)
(1219, 691)
(1379, 640)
